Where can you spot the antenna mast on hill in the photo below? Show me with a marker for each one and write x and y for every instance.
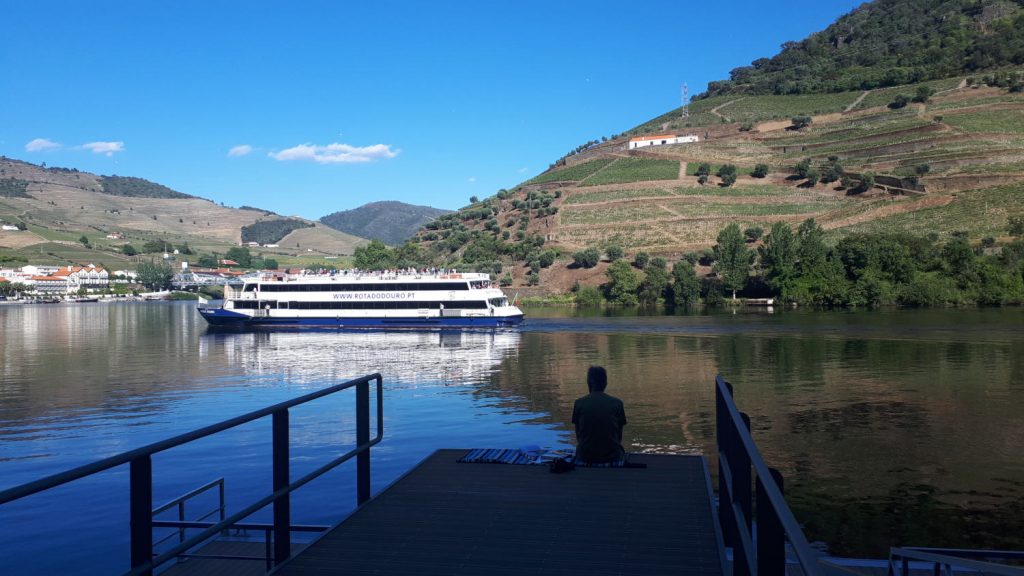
(686, 102)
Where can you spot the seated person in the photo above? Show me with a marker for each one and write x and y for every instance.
(599, 419)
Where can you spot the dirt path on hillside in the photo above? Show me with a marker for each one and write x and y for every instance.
(682, 170)
(887, 210)
(715, 110)
(856, 102)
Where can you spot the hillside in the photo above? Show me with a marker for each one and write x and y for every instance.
(390, 222)
(889, 43)
(935, 158)
(60, 206)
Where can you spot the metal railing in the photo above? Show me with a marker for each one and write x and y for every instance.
(141, 475)
(763, 553)
(180, 503)
(947, 560)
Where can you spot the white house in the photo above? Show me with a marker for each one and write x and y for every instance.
(660, 140)
(115, 236)
(8, 228)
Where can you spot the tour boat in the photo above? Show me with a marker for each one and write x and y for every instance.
(352, 299)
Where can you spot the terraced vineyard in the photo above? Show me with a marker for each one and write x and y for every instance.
(572, 173)
(961, 139)
(628, 170)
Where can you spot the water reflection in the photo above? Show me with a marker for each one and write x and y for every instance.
(402, 357)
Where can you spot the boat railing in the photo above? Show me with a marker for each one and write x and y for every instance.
(140, 474)
(950, 560)
(762, 551)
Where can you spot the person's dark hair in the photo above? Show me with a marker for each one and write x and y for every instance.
(597, 379)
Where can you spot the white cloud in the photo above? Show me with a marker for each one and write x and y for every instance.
(522, 170)
(41, 145)
(472, 179)
(105, 148)
(336, 153)
(240, 150)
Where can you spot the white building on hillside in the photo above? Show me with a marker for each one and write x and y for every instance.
(660, 140)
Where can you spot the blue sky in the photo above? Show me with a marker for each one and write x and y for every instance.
(329, 105)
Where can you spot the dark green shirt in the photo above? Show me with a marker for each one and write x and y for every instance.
(599, 419)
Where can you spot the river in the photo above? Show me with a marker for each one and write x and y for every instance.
(890, 427)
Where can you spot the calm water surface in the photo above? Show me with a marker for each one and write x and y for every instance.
(891, 428)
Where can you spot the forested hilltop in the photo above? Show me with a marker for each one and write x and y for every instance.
(889, 43)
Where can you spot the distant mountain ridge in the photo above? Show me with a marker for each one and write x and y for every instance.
(390, 222)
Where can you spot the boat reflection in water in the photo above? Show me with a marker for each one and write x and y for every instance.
(405, 358)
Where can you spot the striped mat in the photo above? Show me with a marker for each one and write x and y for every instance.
(514, 456)
(532, 457)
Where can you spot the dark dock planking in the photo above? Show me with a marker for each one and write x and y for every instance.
(449, 518)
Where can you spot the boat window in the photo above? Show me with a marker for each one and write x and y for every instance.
(498, 302)
(249, 288)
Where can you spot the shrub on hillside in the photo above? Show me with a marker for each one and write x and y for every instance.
(587, 258)
(614, 252)
(759, 171)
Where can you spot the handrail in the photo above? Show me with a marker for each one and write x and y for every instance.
(737, 453)
(189, 495)
(953, 557)
(141, 480)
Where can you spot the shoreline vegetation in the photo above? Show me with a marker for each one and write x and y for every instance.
(792, 266)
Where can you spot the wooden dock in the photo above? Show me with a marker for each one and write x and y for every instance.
(444, 517)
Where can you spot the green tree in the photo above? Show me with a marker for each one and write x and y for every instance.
(241, 255)
(867, 182)
(924, 93)
(900, 101)
(653, 286)
(374, 256)
(811, 249)
(732, 258)
(759, 171)
(588, 296)
(703, 169)
(129, 250)
(728, 173)
(84, 241)
(473, 199)
(614, 252)
(154, 246)
(812, 177)
(801, 121)
(753, 233)
(207, 261)
(778, 256)
(12, 289)
(547, 258)
(586, 258)
(641, 260)
(685, 288)
(1015, 226)
(802, 167)
(154, 275)
(623, 283)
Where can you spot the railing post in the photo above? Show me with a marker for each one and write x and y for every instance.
(362, 437)
(140, 512)
(771, 540)
(724, 439)
(739, 464)
(282, 505)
